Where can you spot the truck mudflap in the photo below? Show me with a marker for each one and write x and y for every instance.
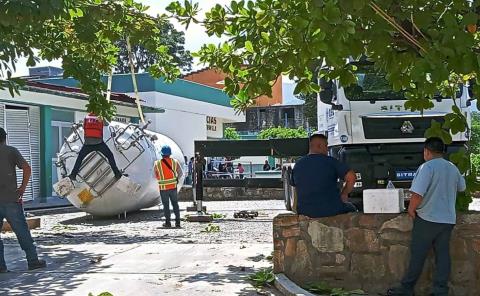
(290, 194)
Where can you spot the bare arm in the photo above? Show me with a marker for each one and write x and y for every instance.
(415, 201)
(350, 180)
(27, 172)
(179, 170)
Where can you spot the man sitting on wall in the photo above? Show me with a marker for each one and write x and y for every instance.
(315, 178)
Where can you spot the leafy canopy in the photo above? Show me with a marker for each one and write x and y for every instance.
(84, 34)
(143, 59)
(422, 47)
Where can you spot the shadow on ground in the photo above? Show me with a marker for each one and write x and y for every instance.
(235, 275)
(57, 279)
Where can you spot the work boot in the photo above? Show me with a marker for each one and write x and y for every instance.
(167, 225)
(40, 263)
(118, 177)
(399, 291)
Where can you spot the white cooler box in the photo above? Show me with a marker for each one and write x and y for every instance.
(378, 201)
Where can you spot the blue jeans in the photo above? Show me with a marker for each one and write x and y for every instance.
(426, 235)
(13, 213)
(349, 207)
(167, 197)
(102, 148)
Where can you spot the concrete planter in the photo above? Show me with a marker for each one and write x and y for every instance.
(369, 252)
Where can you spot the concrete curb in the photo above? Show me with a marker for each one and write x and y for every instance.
(289, 288)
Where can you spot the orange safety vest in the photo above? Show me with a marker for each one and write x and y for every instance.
(167, 179)
(93, 126)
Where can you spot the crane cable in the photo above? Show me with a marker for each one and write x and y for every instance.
(134, 80)
(109, 85)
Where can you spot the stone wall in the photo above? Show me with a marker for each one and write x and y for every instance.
(233, 193)
(370, 252)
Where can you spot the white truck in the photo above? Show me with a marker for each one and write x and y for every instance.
(369, 128)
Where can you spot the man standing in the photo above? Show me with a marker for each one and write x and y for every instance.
(241, 170)
(432, 206)
(168, 172)
(93, 132)
(266, 166)
(190, 171)
(315, 178)
(11, 202)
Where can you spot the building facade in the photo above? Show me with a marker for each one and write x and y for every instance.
(37, 121)
(260, 118)
(186, 111)
(215, 78)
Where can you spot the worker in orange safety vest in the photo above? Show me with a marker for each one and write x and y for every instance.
(168, 172)
(93, 134)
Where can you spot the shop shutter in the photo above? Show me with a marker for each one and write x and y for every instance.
(18, 129)
(2, 115)
(34, 113)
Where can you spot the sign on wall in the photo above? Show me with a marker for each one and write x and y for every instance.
(214, 127)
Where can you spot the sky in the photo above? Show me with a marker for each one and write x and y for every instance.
(195, 37)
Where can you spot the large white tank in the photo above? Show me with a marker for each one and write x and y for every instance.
(135, 150)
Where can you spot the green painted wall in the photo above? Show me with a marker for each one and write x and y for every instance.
(46, 152)
(122, 83)
(63, 115)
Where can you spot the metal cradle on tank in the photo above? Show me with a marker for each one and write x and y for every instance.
(135, 150)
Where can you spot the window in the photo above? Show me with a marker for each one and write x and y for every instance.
(371, 86)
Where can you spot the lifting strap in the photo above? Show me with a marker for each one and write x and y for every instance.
(109, 85)
(134, 80)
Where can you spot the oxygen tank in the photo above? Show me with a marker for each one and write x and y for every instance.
(136, 149)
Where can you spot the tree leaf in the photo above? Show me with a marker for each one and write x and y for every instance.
(249, 46)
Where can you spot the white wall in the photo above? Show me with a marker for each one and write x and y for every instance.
(182, 127)
(170, 102)
(184, 120)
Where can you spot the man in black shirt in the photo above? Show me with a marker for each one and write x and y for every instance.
(316, 176)
(11, 202)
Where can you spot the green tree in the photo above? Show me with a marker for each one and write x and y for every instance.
(474, 144)
(175, 42)
(310, 109)
(84, 34)
(231, 134)
(422, 47)
(282, 133)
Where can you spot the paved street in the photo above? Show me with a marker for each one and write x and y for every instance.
(137, 257)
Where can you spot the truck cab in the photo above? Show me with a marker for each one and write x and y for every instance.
(369, 128)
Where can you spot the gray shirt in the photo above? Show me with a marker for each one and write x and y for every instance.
(10, 158)
(438, 182)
